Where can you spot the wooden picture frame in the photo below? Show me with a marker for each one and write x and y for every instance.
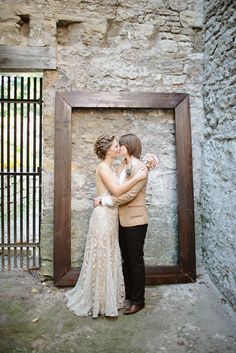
(185, 270)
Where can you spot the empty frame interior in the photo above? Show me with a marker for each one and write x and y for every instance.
(156, 128)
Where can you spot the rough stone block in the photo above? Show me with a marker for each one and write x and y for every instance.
(191, 19)
(178, 5)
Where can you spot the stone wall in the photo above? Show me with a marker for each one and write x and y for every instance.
(219, 149)
(128, 46)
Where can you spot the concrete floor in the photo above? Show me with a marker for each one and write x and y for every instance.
(191, 318)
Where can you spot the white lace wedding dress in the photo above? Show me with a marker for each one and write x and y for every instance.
(100, 288)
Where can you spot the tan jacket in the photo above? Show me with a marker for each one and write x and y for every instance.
(132, 204)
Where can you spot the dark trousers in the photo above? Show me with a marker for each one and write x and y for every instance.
(131, 241)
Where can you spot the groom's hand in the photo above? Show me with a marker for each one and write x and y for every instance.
(97, 201)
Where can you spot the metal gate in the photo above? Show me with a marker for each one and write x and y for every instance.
(20, 171)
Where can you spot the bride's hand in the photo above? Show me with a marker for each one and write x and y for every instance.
(97, 201)
(142, 173)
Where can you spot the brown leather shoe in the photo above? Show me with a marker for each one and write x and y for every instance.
(133, 309)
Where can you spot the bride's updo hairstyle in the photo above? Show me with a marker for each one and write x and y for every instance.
(132, 143)
(102, 144)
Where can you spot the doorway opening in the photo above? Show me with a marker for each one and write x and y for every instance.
(20, 169)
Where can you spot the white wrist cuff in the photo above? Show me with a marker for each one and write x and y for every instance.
(106, 201)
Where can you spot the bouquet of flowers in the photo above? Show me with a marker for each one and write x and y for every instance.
(151, 161)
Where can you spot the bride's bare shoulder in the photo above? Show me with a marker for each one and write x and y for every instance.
(103, 167)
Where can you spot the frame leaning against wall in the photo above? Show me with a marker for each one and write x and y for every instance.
(185, 270)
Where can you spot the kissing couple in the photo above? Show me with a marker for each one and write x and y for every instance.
(113, 272)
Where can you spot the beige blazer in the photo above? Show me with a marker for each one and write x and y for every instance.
(132, 204)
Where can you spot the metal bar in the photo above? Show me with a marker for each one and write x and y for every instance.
(27, 168)
(19, 173)
(3, 258)
(40, 159)
(18, 245)
(2, 168)
(15, 169)
(14, 100)
(34, 169)
(34, 127)
(8, 169)
(2, 126)
(21, 167)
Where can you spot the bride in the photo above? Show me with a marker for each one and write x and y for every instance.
(100, 288)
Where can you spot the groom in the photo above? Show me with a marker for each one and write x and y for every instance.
(133, 224)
